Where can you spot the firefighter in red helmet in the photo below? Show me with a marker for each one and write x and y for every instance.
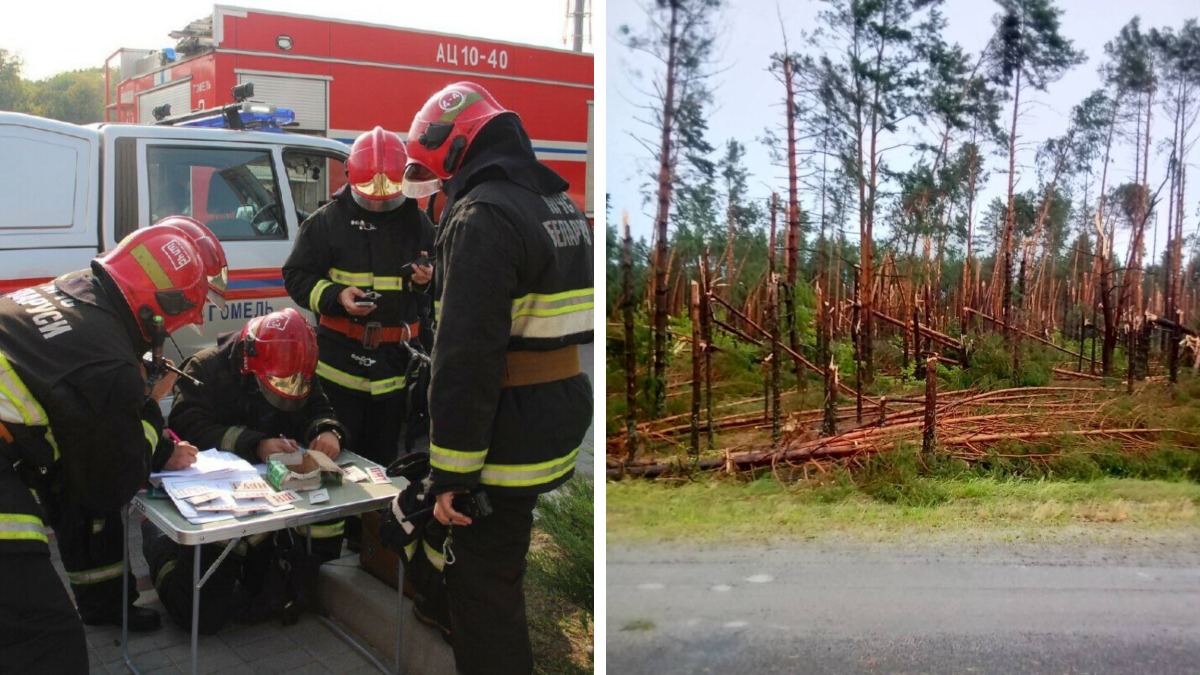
(508, 404)
(79, 421)
(260, 397)
(354, 266)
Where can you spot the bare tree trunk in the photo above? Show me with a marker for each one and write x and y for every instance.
(772, 326)
(1009, 225)
(697, 370)
(665, 179)
(929, 428)
(630, 352)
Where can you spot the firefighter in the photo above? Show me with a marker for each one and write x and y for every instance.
(508, 404)
(349, 267)
(79, 421)
(259, 397)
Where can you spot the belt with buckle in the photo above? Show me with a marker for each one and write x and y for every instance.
(373, 333)
(526, 368)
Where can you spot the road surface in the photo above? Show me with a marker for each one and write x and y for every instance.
(895, 609)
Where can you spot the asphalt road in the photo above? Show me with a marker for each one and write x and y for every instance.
(892, 609)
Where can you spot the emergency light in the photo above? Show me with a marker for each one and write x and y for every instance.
(246, 115)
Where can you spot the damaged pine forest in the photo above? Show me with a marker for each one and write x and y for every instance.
(923, 281)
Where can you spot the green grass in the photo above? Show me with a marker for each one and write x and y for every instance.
(766, 509)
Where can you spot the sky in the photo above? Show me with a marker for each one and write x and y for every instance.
(51, 46)
(748, 97)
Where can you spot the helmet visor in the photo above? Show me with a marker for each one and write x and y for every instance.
(217, 285)
(379, 187)
(420, 182)
(296, 385)
(279, 401)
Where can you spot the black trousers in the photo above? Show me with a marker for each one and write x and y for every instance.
(372, 424)
(92, 546)
(484, 587)
(39, 629)
(172, 567)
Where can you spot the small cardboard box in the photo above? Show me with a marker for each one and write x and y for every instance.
(302, 470)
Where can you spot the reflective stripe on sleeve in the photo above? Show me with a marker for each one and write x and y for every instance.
(17, 404)
(163, 572)
(230, 438)
(373, 387)
(22, 526)
(456, 461)
(151, 434)
(525, 475)
(97, 575)
(314, 296)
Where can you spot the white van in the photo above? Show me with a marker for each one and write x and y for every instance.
(68, 192)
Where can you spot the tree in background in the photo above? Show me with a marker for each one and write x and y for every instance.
(76, 96)
(1029, 49)
(12, 86)
(679, 35)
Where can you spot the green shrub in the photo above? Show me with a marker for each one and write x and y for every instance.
(567, 566)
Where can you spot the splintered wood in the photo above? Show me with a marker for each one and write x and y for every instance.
(968, 424)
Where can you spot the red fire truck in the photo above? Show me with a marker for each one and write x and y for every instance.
(342, 78)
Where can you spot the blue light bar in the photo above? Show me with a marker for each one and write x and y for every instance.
(258, 117)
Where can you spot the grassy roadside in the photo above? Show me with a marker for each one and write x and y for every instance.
(561, 633)
(713, 509)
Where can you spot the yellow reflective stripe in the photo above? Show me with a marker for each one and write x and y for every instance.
(230, 438)
(21, 406)
(553, 304)
(410, 550)
(373, 387)
(576, 321)
(524, 475)
(314, 296)
(366, 279)
(437, 310)
(97, 575)
(351, 278)
(435, 556)
(151, 434)
(22, 526)
(457, 461)
(553, 315)
(325, 531)
(162, 573)
(151, 267)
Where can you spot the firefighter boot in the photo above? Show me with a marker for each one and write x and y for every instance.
(141, 619)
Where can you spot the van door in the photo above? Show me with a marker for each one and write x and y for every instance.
(49, 199)
(240, 191)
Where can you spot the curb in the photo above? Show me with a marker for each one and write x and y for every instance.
(366, 607)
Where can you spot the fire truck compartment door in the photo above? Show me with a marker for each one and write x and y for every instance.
(49, 187)
(308, 97)
(178, 94)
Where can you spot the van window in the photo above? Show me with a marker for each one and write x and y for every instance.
(234, 192)
(313, 177)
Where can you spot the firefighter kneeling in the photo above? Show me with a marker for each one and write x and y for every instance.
(259, 398)
(78, 425)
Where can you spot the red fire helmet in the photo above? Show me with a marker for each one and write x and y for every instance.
(281, 350)
(211, 254)
(160, 272)
(441, 133)
(376, 170)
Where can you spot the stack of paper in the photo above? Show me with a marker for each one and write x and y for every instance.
(219, 486)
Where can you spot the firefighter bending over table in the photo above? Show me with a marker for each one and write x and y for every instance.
(258, 398)
(79, 421)
(508, 404)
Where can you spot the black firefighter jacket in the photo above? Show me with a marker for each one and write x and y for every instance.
(73, 394)
(230, 413)
(340, 245)
(515, 274)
